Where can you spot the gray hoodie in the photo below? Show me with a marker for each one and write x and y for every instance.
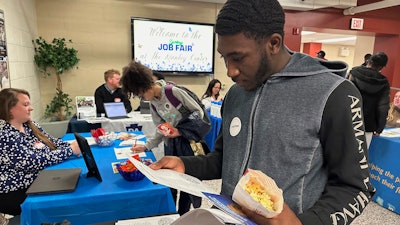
(303, 127)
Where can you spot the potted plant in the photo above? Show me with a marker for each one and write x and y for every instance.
(56, 58)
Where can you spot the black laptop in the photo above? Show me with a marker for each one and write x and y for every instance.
(55, 181)
(115, 110)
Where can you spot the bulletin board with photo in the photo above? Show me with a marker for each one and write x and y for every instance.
(4, 72)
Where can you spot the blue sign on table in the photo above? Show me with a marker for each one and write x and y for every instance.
(384, 157)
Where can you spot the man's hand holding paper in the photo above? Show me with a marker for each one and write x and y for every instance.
(173, 179)
(169, 162)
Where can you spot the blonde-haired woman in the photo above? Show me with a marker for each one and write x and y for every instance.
(25, 149)
(393, 119)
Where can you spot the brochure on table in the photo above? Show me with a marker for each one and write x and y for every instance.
(85, 107)
(391, 132)
(124, 153)
(194, 186)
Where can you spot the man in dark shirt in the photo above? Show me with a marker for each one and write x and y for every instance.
(110, 91)
(375, 91)
(321, 54)
(366, 58)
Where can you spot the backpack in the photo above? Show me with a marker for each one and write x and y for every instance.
(177, 104)
(196, 148)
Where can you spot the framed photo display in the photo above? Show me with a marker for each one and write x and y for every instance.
(4, 73)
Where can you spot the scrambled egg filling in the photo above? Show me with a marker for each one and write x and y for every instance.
(258, 193)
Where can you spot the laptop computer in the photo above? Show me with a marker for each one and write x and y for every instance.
(115, 110)
(87, 155)
(144, 107)
(55, 181)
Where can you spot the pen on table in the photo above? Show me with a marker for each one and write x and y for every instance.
(134, 145)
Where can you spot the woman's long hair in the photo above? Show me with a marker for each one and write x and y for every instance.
(8, 99)
(208, 92)
(392, 108)
(390, 112)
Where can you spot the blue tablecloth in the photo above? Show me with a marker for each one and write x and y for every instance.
(212, 135)
(94, 201)
(384, 158)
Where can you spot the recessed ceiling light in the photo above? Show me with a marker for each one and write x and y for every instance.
(352, 38)
(304, 32)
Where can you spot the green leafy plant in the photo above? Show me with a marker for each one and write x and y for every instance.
(56, 58)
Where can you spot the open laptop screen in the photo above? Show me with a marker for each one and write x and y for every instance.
(115, 110)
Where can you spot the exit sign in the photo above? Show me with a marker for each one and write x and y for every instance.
(356, 24)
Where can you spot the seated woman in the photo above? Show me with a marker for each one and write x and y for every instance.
(212, 94)
(393, 119)
(25, 149)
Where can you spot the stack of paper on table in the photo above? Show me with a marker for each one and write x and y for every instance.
(124, 153)
(394, 132)
(135, 140)
(90, 140)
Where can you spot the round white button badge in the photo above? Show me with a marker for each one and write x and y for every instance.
(235, 127)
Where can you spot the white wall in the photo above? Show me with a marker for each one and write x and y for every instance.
(21, 28)
(364, 45)
(333, 53)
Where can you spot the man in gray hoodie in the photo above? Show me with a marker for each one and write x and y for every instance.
(289, 116)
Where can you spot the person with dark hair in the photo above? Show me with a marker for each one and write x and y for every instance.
(212, 93)
(321, 54)
(25, 149)
(375, 91)
(316, 155)
(366, 58)
(138, 80)
(157, 76)
(111, 91)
